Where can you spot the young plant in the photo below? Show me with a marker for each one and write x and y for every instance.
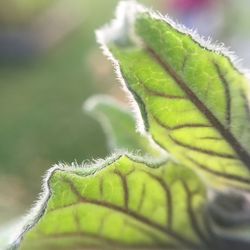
(183, 182)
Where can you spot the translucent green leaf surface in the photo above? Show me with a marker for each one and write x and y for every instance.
(193, 99)
(123, 205)
(119, 125)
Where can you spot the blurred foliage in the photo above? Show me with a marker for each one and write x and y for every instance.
(16, 12)
(42, 121)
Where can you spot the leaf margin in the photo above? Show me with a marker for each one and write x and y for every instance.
(39, 208)
(124, 19)
(150, 151)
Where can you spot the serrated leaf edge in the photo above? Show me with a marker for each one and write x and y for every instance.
(40, 206)
(124, 18)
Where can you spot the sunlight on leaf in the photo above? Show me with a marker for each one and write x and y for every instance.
(193, 100)
(124, 204)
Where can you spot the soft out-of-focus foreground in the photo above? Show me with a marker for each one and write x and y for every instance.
(50, 63)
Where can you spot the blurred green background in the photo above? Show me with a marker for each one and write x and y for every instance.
(50, 63)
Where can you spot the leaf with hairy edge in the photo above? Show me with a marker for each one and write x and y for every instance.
(120, 127)
(193, 102)
(122, 204)
(192, 98)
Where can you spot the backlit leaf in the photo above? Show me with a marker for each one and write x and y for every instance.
(192, 98)
(122, 204)
(192, 101)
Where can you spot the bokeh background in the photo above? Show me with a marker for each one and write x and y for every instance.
(50, 63)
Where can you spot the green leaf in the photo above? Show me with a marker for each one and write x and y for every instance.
(193, 103)
(192, 97)
(120, 127)
(121, 204)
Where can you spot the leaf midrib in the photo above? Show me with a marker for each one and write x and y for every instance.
(229, 137)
